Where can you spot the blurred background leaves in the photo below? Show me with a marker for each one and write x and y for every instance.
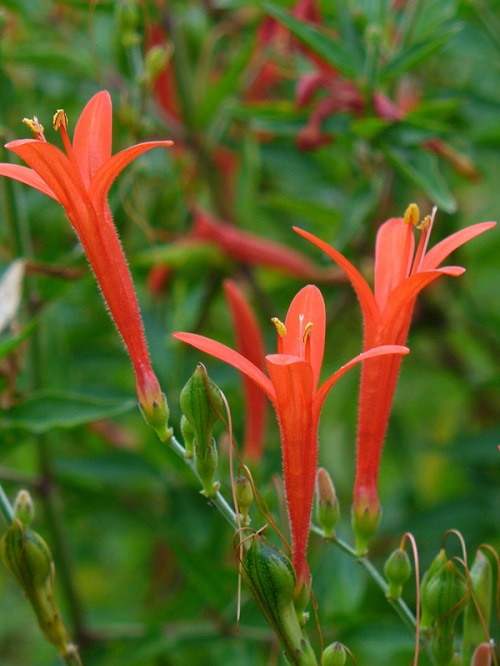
(402, 105)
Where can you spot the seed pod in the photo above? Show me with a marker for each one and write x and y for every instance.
(270, 577)
(201, 401)
(481, 580)
(244, 494)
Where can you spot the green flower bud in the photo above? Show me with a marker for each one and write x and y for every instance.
(201, 401)
(28, 558)
(188, 436)
(270, 578)
(483, 656)
(155, 62)
(24, 509)
(334, 655)
(442, 648)
(481, 580)
(445, 596)
(327, 504)
(244, 494)
(397, 570)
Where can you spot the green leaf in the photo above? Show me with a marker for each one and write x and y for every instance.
(422, 169)
(332, 51)
(414, 55)
(8, 344)
(48, 410)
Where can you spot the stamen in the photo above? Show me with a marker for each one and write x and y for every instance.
(412, 215)
(36, 127)
(411, 218)
(306, 339)
(280, 327)
(307, 332)
(281, 331)
(59, 120)
(425, 226)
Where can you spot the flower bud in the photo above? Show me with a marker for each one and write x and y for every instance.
(397, 570)
(483, 656)
(244, 494)
(327, 503)
(28, 558)
(24, 509)
(201, 401)
(270, 578)
(481, 581)
(155, 62)
(334, 655)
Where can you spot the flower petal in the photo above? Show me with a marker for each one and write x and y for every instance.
(402, 299)
(371, 353)
(52, 165)
(105, 175)
(440, 251)
(293, 383)
(92, 137)
(394, 250)
(27, 176)
(230, 356)
(307, 307)
(361, 287)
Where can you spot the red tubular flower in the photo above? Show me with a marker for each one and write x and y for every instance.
(400, 274)
(79, 180)
(250, 344)
(292, 388)
(251, 249)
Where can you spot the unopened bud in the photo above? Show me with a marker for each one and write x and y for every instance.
(270, 577)
(24, 509)
(327, 503)
(201, 401)
(477, 616)
(155, 62)
(334, 655)
(483, 656)
(397, 570)
(244, 494)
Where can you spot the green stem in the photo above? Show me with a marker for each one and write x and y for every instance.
(217, 500)
(399, 605)
(6, 506)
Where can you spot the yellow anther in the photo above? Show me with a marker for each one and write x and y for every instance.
(60, 119)
(412, 215)
(280, 327)
(425, 223)
(34, 126)
(307, 332)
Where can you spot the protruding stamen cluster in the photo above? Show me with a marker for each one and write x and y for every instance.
(59, 120)
(36, 127)
(412, 215)
(280, 327)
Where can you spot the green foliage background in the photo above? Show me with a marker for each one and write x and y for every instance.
(150, 564)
